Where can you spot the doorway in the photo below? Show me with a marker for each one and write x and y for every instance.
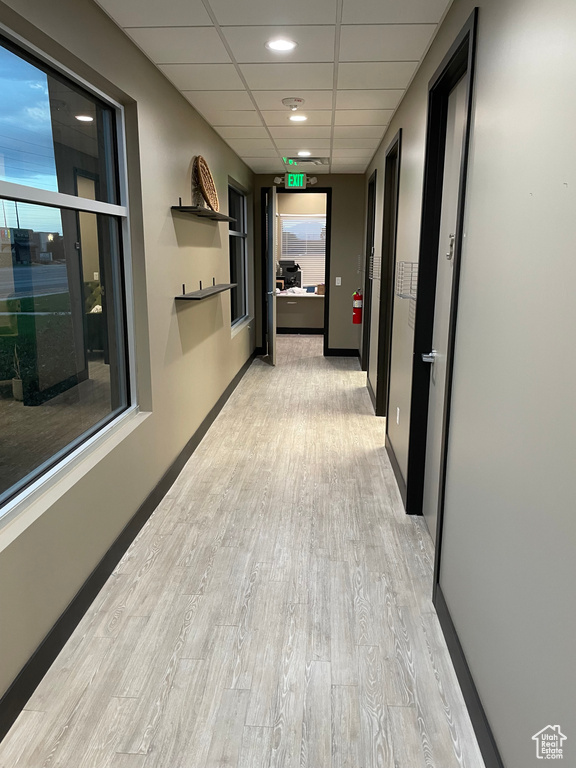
(296, 262)
(448, 136)
(387, 269)
(368, 275)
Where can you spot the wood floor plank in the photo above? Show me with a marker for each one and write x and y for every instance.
(343, 649)
(376, 740)
(274, 612)
(346, 740)
(316, 747)
(319, 629)
(269, 621)
(168, 746)
(120, 760)
(20, 743)
(256, 747)
(289, 705)
(227, 734)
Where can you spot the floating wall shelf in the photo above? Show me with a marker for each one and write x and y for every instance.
(204, 293)
(203, 213)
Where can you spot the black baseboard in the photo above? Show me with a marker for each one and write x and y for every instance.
(397, 471)
(371, 392)
(302, 331)
(478, 717)
(342, 353)
(30, 676)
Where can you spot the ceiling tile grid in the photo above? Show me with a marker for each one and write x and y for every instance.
(352, 63)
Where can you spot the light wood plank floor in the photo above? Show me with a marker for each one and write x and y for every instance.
(275, 611)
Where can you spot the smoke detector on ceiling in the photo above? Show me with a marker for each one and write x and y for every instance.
(293, 103)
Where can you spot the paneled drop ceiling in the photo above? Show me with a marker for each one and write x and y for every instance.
(353, 61)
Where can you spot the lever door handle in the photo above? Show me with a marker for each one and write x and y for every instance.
(271, 293)
(430, 357)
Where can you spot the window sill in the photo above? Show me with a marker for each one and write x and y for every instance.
(27, 507)
(240, 325)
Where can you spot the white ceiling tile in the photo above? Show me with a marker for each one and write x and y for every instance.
(376, 74)
(356, 143)
(313, 100)
(301, 132)
(356, 168)
(242, 132)
(263, 165)
(385, 42)
(352, 160)
(180, 45)
(150, 13)
(251, 147)
(376, 99)
(231, 117)
(363, 116)
(219, 100)
(358, 154)
(393, 12)
(203, 77)
(248, 44)
(317, 170)
(235, 12)
(265, 154)
(359, 131)
(265, 77)
(317, 146)
(278, 118)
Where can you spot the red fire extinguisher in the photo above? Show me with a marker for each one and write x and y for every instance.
(357, 308)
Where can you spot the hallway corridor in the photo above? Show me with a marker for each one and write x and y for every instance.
(274, 612)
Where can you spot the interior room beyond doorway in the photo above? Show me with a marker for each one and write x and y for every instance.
(301, 262)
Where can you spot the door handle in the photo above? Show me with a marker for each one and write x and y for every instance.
(271, 293)
(430, 357)
(450, 254)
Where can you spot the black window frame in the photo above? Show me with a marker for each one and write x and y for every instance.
(238, 230)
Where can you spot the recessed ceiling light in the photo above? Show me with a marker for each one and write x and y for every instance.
(84, 118)
(304, 153)
(298, 118)
(281, 44)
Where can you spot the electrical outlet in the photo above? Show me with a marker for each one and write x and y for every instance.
(96, 276)
(338, 281)
(397, 415)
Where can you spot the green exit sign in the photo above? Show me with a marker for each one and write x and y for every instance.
(295, 181)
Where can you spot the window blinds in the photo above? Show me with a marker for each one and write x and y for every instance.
(303, 239)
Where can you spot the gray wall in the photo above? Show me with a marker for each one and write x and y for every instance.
(185, 355)
(508, 558)
(347, 243)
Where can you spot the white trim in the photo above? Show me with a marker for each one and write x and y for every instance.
(240, 324)
(19, 513)
(55, 64)
(23, 194)
(126, 244)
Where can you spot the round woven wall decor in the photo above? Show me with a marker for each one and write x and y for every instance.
(206, 183)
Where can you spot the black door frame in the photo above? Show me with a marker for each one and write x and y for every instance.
(368, 274)
(458, 63)
(264, 256)
(388, 272)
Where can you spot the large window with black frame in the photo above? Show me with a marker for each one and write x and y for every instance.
(63, 359)
(238, 240)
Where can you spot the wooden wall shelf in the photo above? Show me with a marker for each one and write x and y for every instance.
(203, 213)
(204, 293)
